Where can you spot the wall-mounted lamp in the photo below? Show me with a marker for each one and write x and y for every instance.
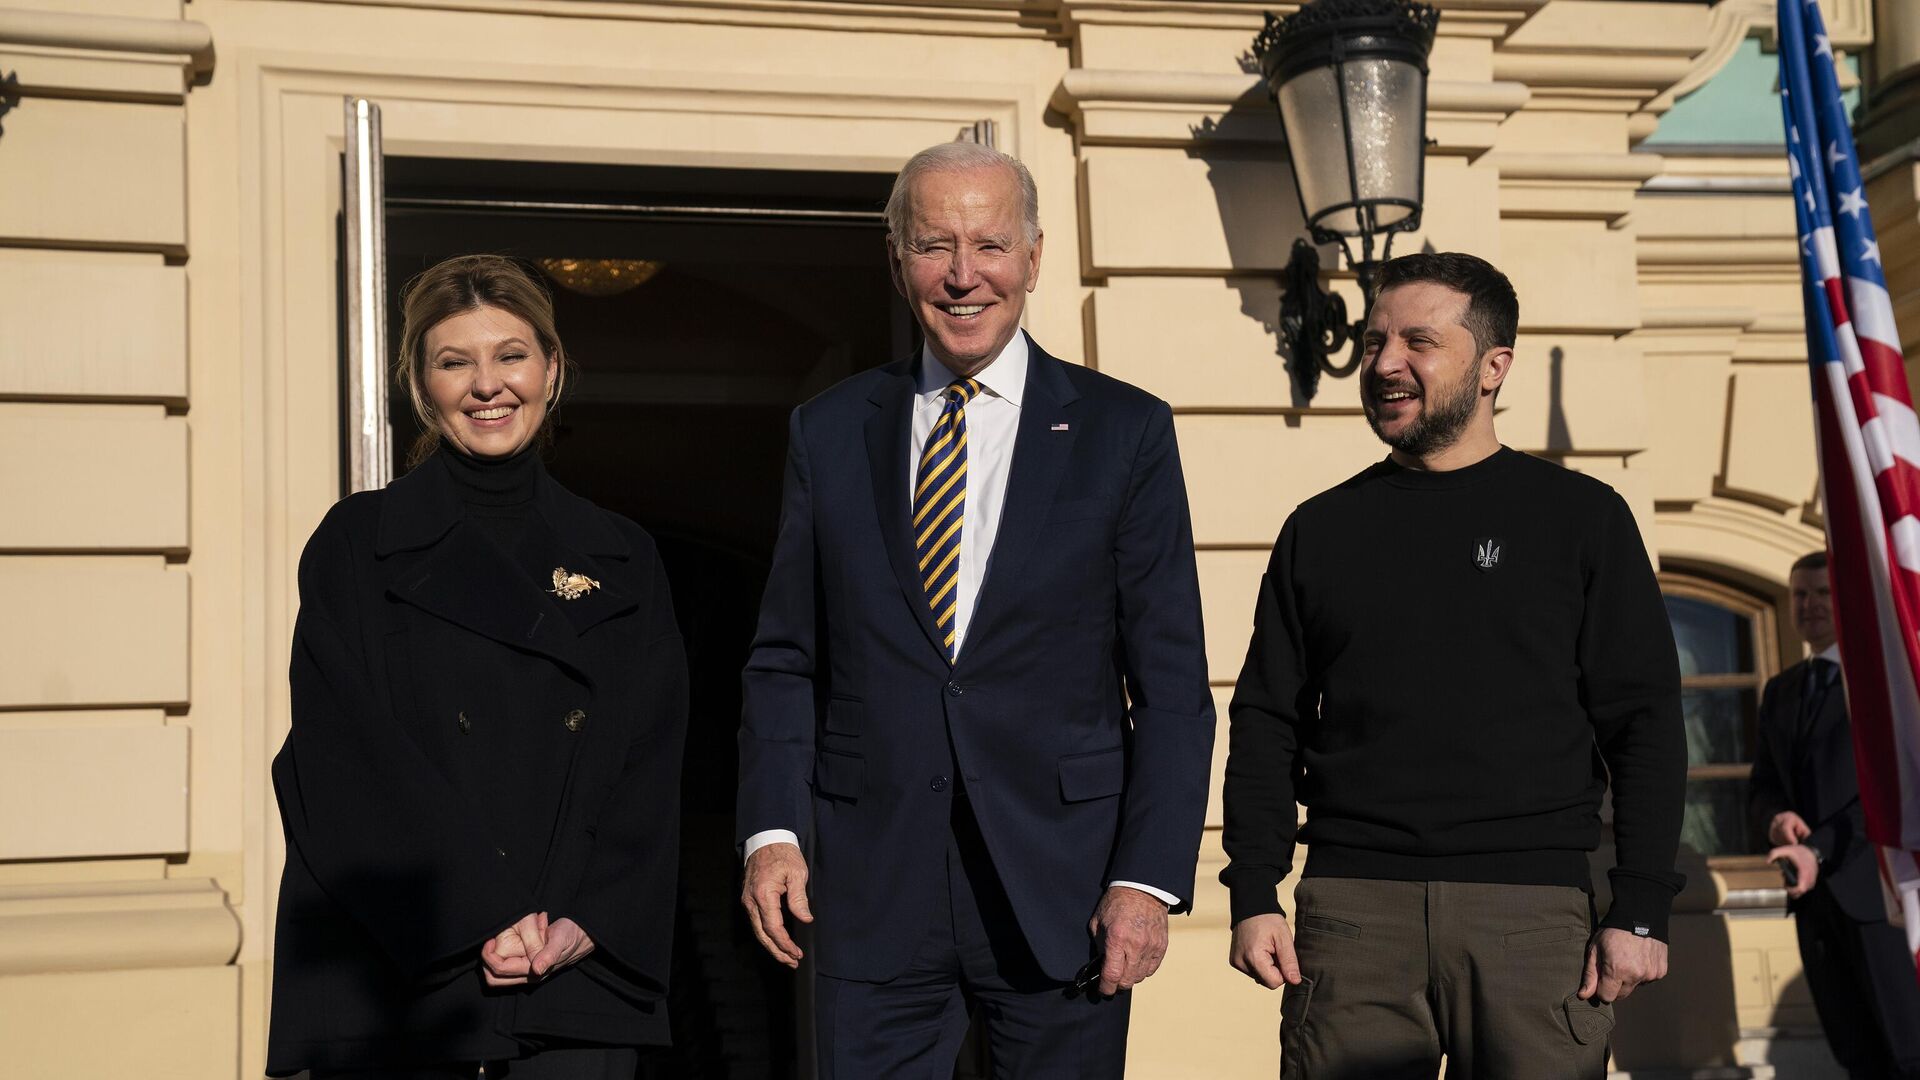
(1349, 78)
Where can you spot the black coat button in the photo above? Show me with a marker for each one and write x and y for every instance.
(466, 725)
(954, 689)
(939, 783)
(576, 719)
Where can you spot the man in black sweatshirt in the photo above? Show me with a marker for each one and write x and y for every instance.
(1453, 652)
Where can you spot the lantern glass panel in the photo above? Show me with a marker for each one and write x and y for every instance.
(1384, 100)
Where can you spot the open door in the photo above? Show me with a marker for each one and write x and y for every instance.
(367, 435)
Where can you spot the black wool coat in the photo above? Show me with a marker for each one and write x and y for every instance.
(468, 747)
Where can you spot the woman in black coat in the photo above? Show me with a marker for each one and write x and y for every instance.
(480, 790)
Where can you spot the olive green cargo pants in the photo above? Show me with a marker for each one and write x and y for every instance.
(1399, 974)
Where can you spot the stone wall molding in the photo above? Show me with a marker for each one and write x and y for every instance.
(1726, 533)
(116, 925)
(1178, 108)
(1083, 86)
(110, 33)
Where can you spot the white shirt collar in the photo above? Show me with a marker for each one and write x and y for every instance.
(1831, 652)
(1005, 377)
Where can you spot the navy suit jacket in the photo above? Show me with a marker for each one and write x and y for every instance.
(1820, 785)
(1078, 715)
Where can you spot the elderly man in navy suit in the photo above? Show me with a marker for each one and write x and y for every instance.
(977, 698)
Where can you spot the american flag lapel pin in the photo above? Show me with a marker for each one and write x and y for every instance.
(1059, 427)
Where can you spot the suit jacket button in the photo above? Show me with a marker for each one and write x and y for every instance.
(954, 689)
(576, 719)
(939, 783)
(466, 725)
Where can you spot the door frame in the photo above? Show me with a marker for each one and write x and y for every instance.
(292, 140)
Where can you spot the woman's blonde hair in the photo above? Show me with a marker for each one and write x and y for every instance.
(454, 287)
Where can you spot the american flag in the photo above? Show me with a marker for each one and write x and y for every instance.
(1869, 442)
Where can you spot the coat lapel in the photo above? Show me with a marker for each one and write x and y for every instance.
(1041, 449)
(582, 542)
(889, 430)
(466, 580)
(449, 569)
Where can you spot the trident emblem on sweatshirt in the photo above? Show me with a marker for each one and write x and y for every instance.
(1486, 552)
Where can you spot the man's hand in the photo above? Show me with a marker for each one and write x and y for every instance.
(1801, 856)
(1131, 927)
(1786, 828)
(504, 959)
(775, 873)
(1262, 950)
(566, 944)
(1618, 961)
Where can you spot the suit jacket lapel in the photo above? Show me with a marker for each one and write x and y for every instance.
(1792, 697)
(888, 431)
(1041, 449)
(1833, 708)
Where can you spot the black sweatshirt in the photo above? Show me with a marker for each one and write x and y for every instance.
(1445, 667)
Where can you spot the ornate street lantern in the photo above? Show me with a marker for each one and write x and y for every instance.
(1349, 78)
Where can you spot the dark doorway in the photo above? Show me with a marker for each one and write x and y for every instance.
(761, 289)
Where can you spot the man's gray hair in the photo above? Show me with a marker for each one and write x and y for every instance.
(957, 157)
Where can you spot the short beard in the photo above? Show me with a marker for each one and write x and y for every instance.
(1440, 422)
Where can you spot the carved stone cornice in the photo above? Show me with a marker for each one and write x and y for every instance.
(1165, 108)
(103, 56)
(966, 18)
(1458, 18)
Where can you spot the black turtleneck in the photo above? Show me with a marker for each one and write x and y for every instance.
(496, 494)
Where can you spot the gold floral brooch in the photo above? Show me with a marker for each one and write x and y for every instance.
(570, 586)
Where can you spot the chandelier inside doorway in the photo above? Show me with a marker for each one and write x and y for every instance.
(600, 277)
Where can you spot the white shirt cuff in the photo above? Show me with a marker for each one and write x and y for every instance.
(767, 836)
(1166, 898)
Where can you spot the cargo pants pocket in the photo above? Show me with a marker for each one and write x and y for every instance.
(1296, 1002)
(1589, 1021)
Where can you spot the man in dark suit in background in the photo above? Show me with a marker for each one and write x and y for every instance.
(978, 690)
(1806, 800)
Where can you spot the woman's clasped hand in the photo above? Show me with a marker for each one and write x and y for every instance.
(533, 949)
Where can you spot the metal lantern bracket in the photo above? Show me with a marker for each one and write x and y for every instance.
(1331, 34)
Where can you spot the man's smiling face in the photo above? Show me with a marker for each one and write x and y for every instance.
(965, 264)
(1421, 374)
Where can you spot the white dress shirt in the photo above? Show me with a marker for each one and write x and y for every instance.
(993, 423)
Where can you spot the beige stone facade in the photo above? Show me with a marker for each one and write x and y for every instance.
(170, 368)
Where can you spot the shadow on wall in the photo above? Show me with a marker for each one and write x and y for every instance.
(1558, 437)
(1689, 1020)
(1253, 190)
(9, 96)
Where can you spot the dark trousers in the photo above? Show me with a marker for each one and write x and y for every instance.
(973, 959)
(586, 1063)
(1863, 986)
(1399, 973)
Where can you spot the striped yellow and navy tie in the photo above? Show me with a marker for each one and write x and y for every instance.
(939, 506)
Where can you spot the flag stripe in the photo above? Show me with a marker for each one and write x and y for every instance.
(1868, 440)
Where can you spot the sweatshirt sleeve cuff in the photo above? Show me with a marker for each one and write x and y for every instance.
(1252, 894)
(1641, 905)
